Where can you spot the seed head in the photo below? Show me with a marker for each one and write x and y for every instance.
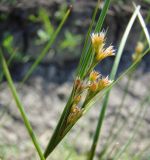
(94, 76)
(93, 87)
(79, 86)
(138, 51)
(139, 47)
(103, 83)
(77, 99)
(75, 112)
(105, 53)
(98, 40)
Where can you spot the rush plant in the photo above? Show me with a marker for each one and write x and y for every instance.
(88, 85)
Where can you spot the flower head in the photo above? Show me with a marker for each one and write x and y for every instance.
(98, 40)
(75, 112)
(103, 83)
(93, 87)
(94, 76)
(77, 99)
(103, 53)
(138, 50)
(139, 47)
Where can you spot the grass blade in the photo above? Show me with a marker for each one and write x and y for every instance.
(47, 47)
(86, 44)
(112, 76)
(122, 150)
(145, 30)
(20, 106)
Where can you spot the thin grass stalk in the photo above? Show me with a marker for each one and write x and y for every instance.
(20, 106)
(147, 20)
(115, 122)
(47, 47)
(142, 103)
(145, 32)
(138, 124)
(9, 62)
(140, 154)
(112, 76)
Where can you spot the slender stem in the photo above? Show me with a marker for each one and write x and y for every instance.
(121, 105)
(112, 76)
(20, 106)
(9, 61)
(128, 142)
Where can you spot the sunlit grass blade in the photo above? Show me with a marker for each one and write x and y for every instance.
(145, 30)
(20, 106)
(112, 76)
(47, 47)
(88, 56)
(146, 34)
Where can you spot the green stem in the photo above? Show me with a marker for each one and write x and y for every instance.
(9, 62)
(120, 106)
(112, 76)
(20, 106)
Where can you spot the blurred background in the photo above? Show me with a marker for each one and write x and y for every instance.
(25, 29)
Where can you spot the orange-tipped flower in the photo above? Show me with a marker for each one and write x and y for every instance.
(94, 76)
(105, 53)
(93, 87)
(103, 83)
(98, 40)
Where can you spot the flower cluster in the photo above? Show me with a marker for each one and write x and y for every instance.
(98, 44)
(93, 82)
